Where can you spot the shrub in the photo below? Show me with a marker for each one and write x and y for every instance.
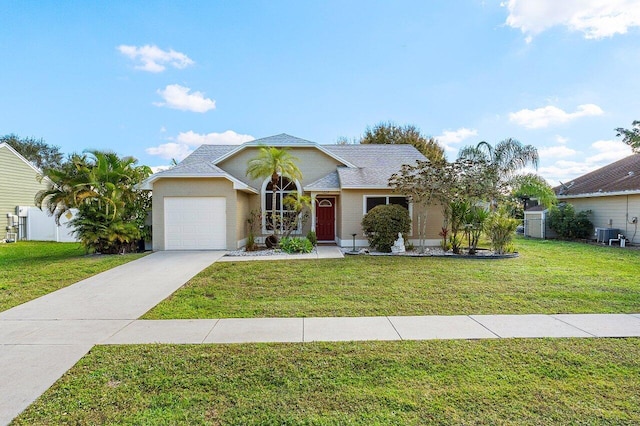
(313, 239)
(500, 228)
(383, 223)
(568, 224)
(296, 245)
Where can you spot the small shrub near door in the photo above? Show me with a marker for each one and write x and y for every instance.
(296, 245)
(383, 223)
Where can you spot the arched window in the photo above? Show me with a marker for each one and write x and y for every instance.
(284, 215)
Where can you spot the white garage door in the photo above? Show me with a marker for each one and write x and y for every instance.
(195, 223)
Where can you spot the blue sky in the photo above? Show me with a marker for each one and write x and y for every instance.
(157, 79)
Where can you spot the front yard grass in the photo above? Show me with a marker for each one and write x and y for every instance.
(510, 381)
(30, 269)
(548, 277)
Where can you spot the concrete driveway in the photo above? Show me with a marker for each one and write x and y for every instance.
(40, 340)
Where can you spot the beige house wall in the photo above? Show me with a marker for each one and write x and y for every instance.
(242, 214)
(352, 209)
(612, 212)
(313, 164)
(194, 187)
(18, 183)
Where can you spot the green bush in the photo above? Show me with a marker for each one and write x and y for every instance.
(296, 245)
(568, 224)
(382, 225)
(311, 236)
(500, 228)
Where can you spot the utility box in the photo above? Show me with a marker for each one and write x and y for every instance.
(603, 235)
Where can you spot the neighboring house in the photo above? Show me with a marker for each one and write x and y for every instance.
(19, 184)
(612, 193)
(204, 202)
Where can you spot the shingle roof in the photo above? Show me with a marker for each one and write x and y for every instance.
(196, 169)
(326, 183)
(377, 156)
(365, 166)
(208, 153)
(621, 176)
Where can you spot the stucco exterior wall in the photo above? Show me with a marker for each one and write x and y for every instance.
(205, 187)
(313, 164)
(18, 184)
(612, 212)
(352, 207)
(242, 214)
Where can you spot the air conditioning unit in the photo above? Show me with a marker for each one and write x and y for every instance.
(603, 235)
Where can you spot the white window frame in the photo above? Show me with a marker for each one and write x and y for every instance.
(263, 205)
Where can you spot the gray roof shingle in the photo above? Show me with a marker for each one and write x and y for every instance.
(328, 182)
(623, 175)
(374, 164)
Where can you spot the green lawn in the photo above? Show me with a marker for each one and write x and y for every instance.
(548, 277)
(492, 382)
(30, 269)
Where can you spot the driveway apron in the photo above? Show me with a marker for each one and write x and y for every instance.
(42, 339)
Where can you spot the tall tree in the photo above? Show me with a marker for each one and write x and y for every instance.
(390, 133)
(103, 188)
(631, 136)
(273, 162)
(506, 160)
(37, 151)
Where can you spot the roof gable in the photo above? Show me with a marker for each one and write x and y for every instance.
(621, 176)
(282, 140)
(17, 154)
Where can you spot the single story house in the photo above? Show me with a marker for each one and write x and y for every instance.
(205, 201)
(612, 193)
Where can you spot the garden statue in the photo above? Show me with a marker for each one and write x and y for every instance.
(398, 245)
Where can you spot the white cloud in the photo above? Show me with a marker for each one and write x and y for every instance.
(449, 137)
(225, 138)
(185, 143)
(170, 150)
(156, 169)
(178, 97)
(608, 151)
(596, 19)
(561, 139)
(603, 152)
(153, 59)
(549, 115)
(556, 152)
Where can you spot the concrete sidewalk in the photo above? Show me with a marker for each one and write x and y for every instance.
(252, 330)
(40, 340)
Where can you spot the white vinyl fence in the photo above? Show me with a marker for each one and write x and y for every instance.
(36, 225)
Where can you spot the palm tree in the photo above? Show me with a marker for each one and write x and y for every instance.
(504, 160)
(102, 186)
(275, 163)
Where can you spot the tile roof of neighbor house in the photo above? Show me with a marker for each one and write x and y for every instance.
(621, 176)
(366, 166)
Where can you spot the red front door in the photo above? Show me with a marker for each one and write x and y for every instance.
(325, 218)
